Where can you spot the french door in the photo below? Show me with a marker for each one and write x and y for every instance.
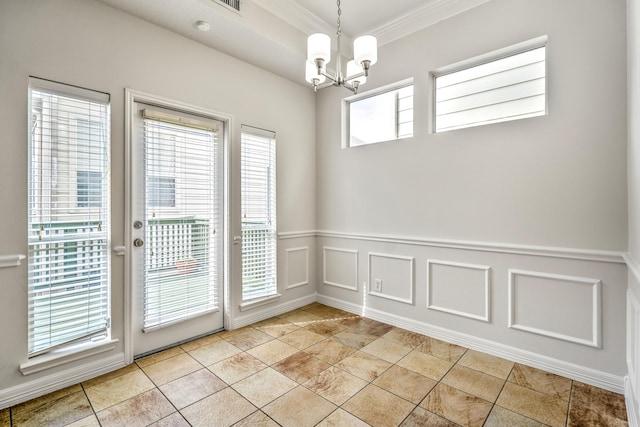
(177, 226)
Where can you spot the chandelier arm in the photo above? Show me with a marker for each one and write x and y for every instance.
(355, 76)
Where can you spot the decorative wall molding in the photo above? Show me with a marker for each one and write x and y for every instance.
(633, 265)
(13, 260)
(305, 280)
(570, 370)
(297, 234)
(485, 317)
(35, 388)
(411, 278)
(327, 281)
(633, 344)
(543, 251)
(595, 309)
(631, 403)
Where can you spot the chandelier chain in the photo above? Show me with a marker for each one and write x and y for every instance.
(339, 26)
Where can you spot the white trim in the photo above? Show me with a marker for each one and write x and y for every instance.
(596, 284)
(259, 315)
(615, 257)
(411, 275)
(487, 289)
(324, 268)
(11, 260)
(583, 374)
(633, 344)
(633, 265)
(630, 402)
(11, 396)
(306, 280)
(248, 305)
(297, 234)
(66, 355)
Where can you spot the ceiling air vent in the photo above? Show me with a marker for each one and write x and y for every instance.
(234, 4)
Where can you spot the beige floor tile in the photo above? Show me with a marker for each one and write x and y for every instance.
(420, 417)
(171, 369)
(277, 327)
(299, 408)
(408, 338)
(173, 420)
(593, 406)
(405, 383)
(442, 349)
(541, 407)
(214, 352)
(5, 418)
(302, 338)
(200, 342)
(364, 365)
(257, 419)
(474, 382)
(47, 399)
(354, 340)
(366, 326)
(157, 357)
(226, 407)
(327, 328)
(341, 418)
(330, 350)
(457, 406)
(59, 412)
(192, 387)
(487, 363)
(273, 351)
(237, 367)
(118, 389)
(264, 387)
(386, 350)
(249, 339)
(111, 375)
(90, 421)
(541, 381)
(141, 410)
(300, 318)
(300, 366)
(335, 385)
(425, 364)
(378, 407)
(500, 417)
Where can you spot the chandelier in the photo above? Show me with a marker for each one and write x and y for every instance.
(365, 54)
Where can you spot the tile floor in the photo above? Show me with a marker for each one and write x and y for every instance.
(321, 366)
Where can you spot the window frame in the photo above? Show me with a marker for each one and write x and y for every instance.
(346, 112)
(93, 340)
(496, 55)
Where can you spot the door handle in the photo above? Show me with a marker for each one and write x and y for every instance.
(138, 242)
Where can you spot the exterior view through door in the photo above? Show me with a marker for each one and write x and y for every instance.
(177, 229)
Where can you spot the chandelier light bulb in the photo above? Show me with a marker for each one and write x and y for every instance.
(365, 48)
(319, 48)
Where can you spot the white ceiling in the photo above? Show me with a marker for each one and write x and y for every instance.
(271, 34)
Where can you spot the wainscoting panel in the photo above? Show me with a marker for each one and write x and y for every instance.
(297, 267)
(558, 306)
(391, 277)
(340, 268)
(459, 289)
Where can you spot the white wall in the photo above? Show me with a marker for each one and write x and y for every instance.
(545, 195)
(633, 259)
(88, 44)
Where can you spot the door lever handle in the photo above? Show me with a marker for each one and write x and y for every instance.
(237, 240)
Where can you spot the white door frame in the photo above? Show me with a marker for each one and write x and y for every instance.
(132, 97)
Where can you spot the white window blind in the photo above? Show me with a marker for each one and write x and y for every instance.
(384, 116)
(259, 245)
(68, 218)
(509, 88)
(183, 211)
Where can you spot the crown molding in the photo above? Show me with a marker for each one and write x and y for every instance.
(296, 15)
(429, 14)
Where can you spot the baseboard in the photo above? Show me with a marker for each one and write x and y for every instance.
(630, 401)
(264, 313)
(38, 387)
(570, 370)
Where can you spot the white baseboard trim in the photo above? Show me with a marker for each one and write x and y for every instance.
(275, 310)
(38, 387)
(570, 370)
(630, 401)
